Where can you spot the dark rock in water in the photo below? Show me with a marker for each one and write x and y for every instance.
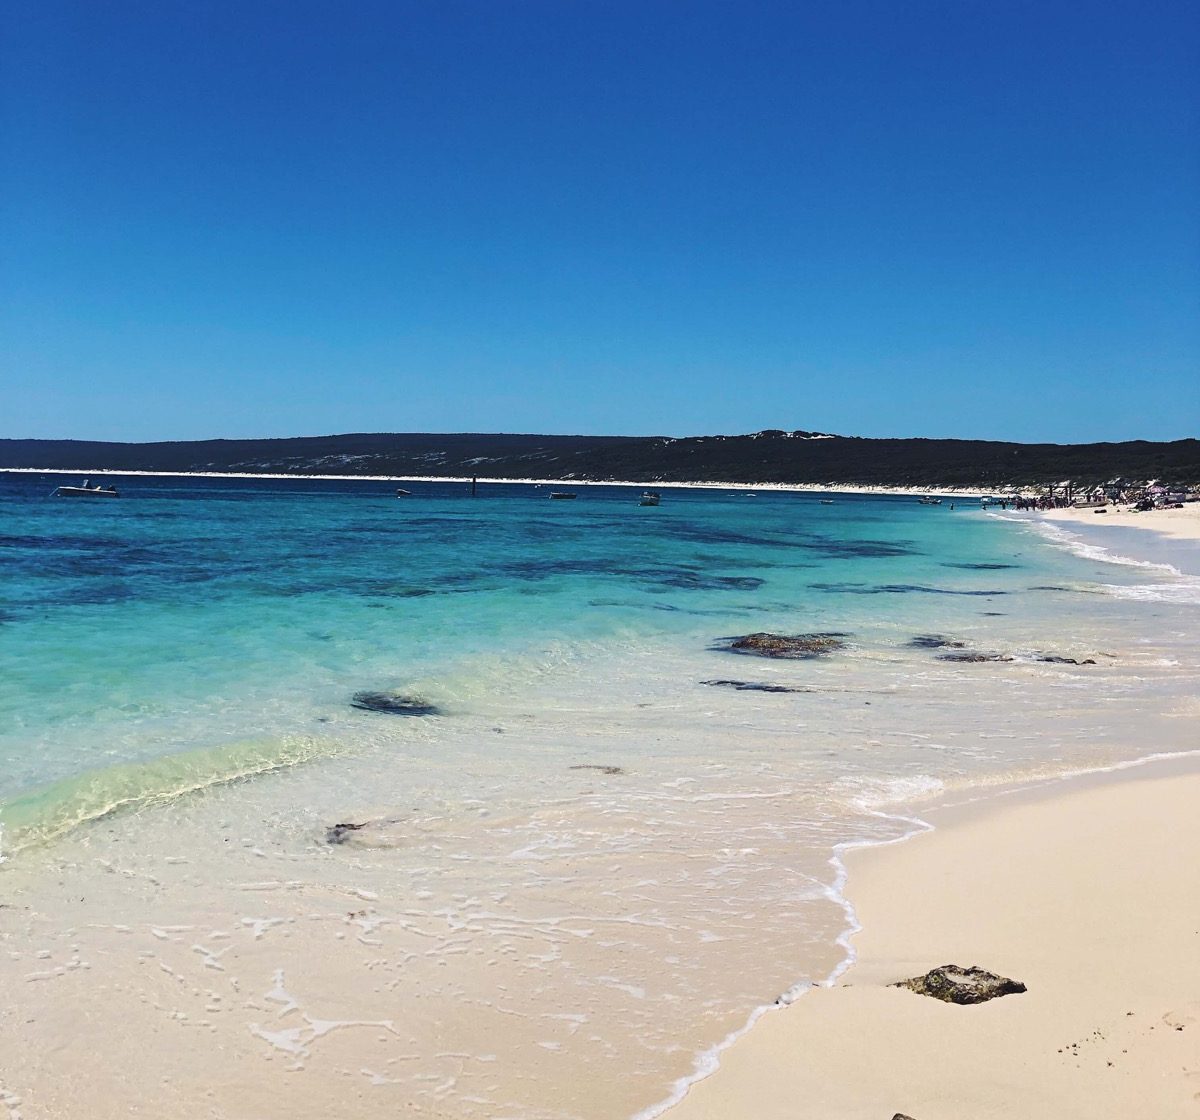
(793, 646)
(952, 984)
(934, 641)
(979, 567)
(972, 658)
(1054, 659)
(392, 704)
(901, 1116)
(695, 581)
(897, 589)
(754, 686)
(383, 832)
(610, 770)
(1059, 587)
(336, 834)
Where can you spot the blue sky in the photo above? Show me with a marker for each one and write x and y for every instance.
(953, 219)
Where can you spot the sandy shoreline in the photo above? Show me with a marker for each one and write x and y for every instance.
(798, 488)
(1080, 895)
(1074, 887)
(1179, 524)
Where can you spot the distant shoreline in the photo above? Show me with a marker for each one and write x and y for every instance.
(786, 487)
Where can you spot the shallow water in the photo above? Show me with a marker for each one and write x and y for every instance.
(591, 865)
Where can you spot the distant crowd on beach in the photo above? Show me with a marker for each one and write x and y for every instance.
(1140, 496)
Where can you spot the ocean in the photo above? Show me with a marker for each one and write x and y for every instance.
(590, 842)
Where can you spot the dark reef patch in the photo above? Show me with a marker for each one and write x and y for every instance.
(393, 705)
(612, 771)
(382, 833)
(789, 646)
(895, 589)
(861, 549)
(685, 577)
(968, 658)
(754, 686)
(934, 641)
(1059, 587)
(978, 567)
(694, 581)
(339, 833)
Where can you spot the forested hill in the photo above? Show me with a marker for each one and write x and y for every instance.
(770, 456)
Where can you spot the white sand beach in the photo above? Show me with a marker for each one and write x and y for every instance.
(1087, 892)
(1180, 524)
(785, 487)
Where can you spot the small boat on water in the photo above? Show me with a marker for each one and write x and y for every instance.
(930, 500)
(402, 493)
(650, 498)
(826, 501)
(87, 490)
(561, 495)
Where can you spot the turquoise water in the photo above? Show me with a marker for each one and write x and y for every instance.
(193, 613)
(603, 849)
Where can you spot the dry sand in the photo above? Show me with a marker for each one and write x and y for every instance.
(1180, 524)
(1088, 891)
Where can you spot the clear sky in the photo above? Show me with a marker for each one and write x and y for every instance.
(248, 218)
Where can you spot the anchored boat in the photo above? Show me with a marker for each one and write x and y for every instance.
(87, 490)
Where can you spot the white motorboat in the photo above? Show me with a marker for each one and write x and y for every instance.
(87, 490)
(650, 498)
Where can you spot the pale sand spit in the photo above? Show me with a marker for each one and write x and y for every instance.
(1180, 524)
(1088, 892)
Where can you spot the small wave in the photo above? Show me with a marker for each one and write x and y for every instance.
(1057, 535)
(47, 813)
(1177, 588)
(1186, 591)
(895, 791)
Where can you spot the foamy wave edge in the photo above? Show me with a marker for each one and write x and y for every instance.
(709, 1061)
(49, 812)
(1181, 588)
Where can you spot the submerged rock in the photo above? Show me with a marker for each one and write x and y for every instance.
(394, 705)
(901, 1116)
(338, 833)
(952, 984)
(384, 832)
(794, 646)
(1054, 659)
(754, 686)
(610, 770)
(972, 658)
(934, 641)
